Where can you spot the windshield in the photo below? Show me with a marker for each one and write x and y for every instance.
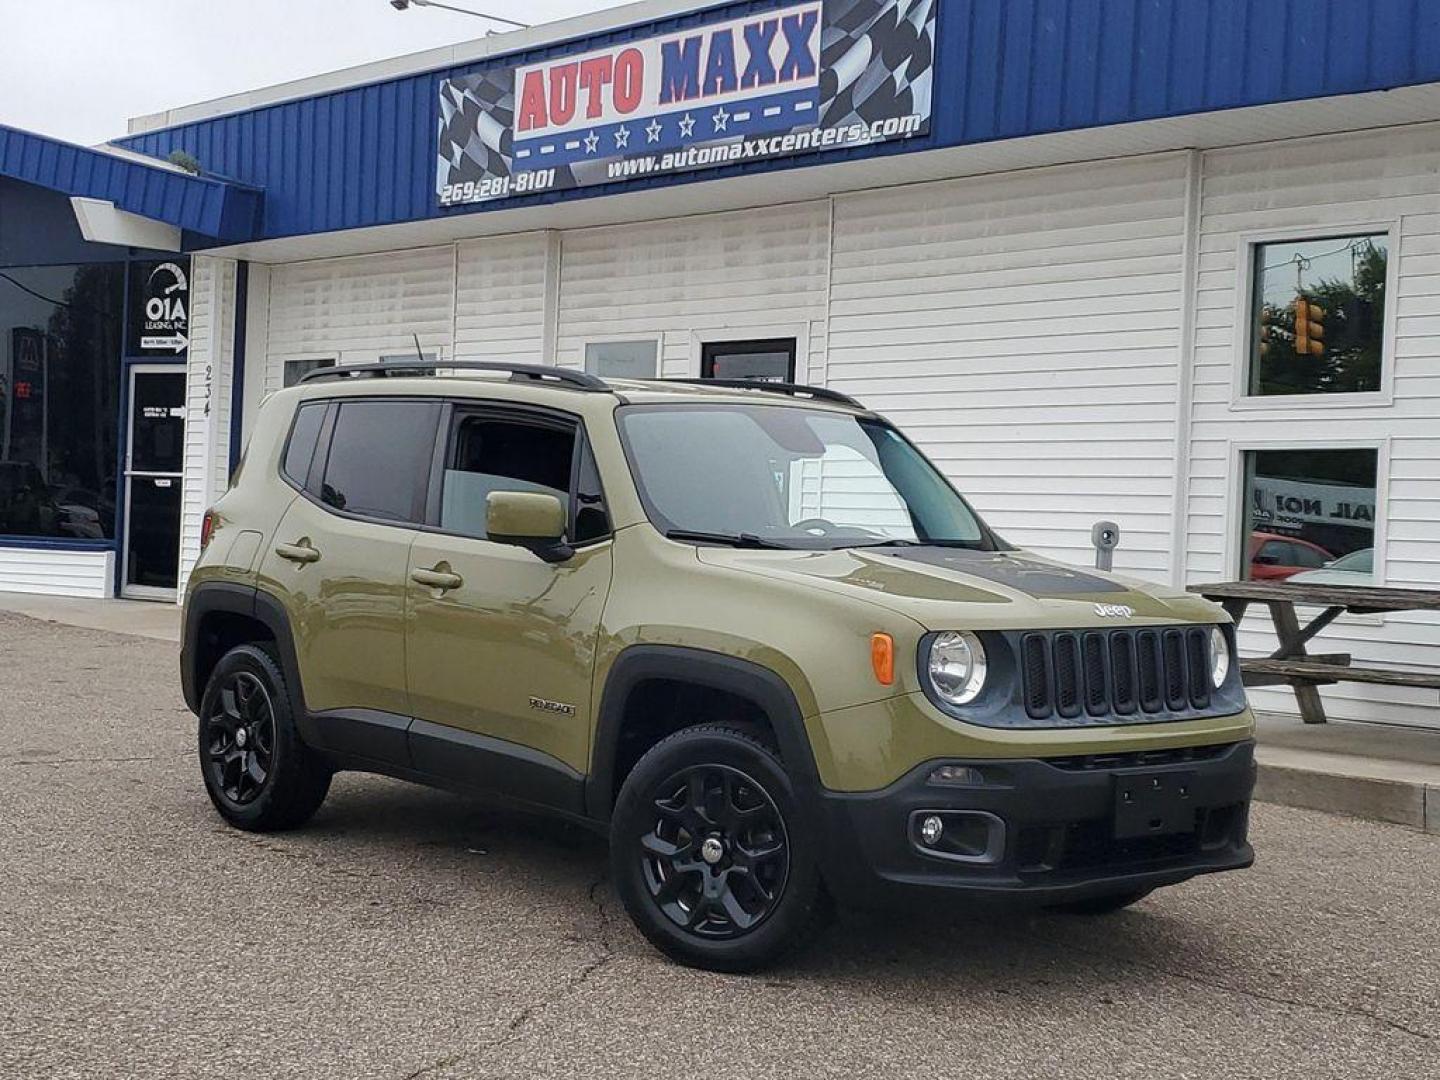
(780, 476)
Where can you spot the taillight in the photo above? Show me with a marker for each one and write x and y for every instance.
(207, 528)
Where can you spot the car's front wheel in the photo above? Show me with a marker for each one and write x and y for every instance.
(257, 771)
(710, 855)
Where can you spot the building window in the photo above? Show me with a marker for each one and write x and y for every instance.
(1319, 316)
(623, 359)
(60, 345)
(1310, 516)
(295, 370)
(766, 360)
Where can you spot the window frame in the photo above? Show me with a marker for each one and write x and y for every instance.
(320, 461)
(515, 412)
(655, 337)
(1237, 505)
(799, 331)
(750, 347)
(1247, 243)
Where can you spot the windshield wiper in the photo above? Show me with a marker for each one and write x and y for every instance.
(967, 544)
(736, 540)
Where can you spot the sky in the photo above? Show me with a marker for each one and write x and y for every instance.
(78, 69)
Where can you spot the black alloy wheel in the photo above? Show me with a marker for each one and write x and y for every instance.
(711, 853)
(239, 738)
(258, 771)
(717, 857)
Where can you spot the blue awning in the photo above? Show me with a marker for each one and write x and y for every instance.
(220, 209)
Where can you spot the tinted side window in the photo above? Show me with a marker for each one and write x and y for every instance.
(304, 434)
(592, 520)
(490, 454)
(379, 459)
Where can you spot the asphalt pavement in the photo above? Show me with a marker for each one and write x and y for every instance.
(409, 933)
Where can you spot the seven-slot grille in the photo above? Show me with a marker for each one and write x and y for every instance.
(1102, 672)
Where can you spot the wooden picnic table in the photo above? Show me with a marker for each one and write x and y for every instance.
(1291, 664)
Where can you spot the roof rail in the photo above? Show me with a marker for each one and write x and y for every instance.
(819, 393)
(579, 380)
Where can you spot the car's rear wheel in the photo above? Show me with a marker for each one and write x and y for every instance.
(710, 855)
(257, 771)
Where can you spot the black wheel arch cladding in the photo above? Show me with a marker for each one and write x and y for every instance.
(746, 679)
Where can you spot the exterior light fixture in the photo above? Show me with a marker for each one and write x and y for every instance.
(404, 5)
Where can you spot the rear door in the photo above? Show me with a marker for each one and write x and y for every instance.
(338, 563)
(500, 664)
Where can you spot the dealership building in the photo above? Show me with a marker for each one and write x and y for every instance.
(1170, 263)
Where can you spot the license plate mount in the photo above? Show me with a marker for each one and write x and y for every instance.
(1154, 804)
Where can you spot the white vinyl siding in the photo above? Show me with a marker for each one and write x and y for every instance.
(749, 274)
(500, 299)
(1387, 180)
(209, 379)
(57, 573)
(360, 309)
(1024, 330)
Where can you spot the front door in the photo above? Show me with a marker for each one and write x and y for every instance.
(154, 467)
(504, 657)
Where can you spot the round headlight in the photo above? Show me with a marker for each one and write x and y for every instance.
(957, 667)
(1219, 657)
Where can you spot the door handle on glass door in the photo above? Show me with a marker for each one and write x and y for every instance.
(298, 553)
(437, 578)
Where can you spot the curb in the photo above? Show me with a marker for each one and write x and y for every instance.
(1412, 802)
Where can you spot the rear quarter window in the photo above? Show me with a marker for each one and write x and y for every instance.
(304, 435)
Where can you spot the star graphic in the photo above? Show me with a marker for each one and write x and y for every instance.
(721, 118)
(652, 131)
(687, 126)
(592, 143)
(622, 137)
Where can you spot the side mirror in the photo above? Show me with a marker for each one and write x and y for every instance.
(530, 520)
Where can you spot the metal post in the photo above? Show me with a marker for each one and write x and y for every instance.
(1105, 535)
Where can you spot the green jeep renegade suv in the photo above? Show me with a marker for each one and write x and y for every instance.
(748, 630)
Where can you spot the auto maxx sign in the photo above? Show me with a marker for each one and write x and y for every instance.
(820, 75)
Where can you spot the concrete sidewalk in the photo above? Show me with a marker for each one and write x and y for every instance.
(1373, 771)
(159, 620)
(1367, 771)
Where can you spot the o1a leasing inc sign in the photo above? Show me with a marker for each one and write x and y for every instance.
(822, 75)
(159, 303)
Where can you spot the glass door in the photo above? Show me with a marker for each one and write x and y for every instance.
(154, 467)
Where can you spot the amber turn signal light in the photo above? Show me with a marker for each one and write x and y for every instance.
(882, 658)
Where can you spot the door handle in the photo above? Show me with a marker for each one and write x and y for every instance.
(437, 579)
(297, 553)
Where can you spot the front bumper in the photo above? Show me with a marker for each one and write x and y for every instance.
(1063, 832)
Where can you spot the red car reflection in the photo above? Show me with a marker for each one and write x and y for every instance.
(1274, 557)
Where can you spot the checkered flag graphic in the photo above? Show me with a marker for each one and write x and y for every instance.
(476, 113)
(878, 59)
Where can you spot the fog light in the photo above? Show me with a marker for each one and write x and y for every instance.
(931, 829)
(957, 776)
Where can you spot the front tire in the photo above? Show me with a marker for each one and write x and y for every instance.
(710, 855)
(257, 771)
